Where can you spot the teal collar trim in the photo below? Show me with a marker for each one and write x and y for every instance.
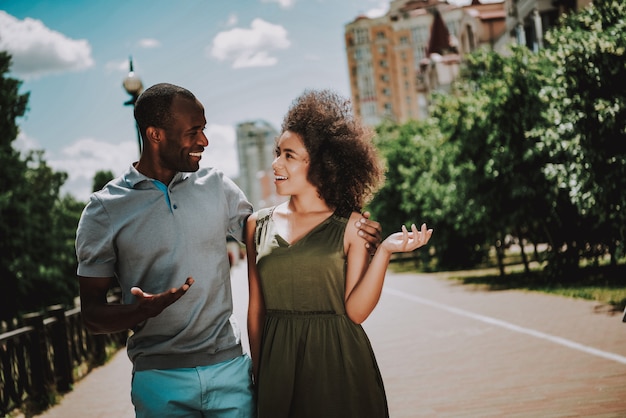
(163, 188)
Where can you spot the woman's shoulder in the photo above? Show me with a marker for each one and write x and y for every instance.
(351, 228)
(261, 214)
(254, 221)
(353, 242)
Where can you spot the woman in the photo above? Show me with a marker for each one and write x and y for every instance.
(313, 283)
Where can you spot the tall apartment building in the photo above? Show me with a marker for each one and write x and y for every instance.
(385, 54)
(396, 61)
(255, 148)
(526, 20)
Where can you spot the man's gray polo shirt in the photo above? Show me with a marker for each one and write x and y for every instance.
(154, 238)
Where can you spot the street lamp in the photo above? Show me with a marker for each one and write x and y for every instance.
(133, 86)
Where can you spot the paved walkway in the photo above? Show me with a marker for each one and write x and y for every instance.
(447, 350)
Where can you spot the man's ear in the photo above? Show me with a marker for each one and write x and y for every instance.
(154, 134)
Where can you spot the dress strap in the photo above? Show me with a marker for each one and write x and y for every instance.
(263, 217)
(264, 213)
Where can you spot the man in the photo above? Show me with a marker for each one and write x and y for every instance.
(160, 230)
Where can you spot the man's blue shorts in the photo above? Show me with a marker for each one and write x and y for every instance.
(218, 390)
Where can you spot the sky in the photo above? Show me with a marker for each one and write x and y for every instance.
(243, 59)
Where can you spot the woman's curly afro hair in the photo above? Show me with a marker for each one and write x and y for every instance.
(344, 164)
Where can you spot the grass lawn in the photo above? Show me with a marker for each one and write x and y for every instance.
(604, 283)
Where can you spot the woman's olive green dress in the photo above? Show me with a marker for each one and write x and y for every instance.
(315, 362)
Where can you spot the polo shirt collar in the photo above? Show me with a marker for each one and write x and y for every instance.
(132, 177)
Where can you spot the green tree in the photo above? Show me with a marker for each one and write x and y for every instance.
(529, 147)
(421, 187)
(37, 261)
(586, 134)
(100, 179)
(45, 269)
(12, 106)
(464, 213)
(397, 147)
(495, 103)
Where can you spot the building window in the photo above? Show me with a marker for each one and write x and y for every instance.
(420, 36)
(361, 36)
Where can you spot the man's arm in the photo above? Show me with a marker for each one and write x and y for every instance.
(101, 317)
(370, 231)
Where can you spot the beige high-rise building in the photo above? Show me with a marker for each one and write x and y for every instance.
(397, 60)
(384, 56)
(255, 148)
(527, 20)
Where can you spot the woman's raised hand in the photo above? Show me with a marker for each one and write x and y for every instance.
(406, 241)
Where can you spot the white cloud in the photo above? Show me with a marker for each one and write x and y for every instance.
(285, 4)
(24, 143)
(83, 158)
(37, 50)
(460, 2)
(250, 47)
(149, 43)
(378, 11)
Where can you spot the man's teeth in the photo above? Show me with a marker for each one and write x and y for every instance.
(281, 178)
(195, 154)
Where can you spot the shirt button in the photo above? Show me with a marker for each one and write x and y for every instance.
(175, 207)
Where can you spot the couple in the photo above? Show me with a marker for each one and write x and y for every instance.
(311, 278)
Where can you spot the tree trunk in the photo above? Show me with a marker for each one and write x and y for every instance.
(523, 252)
(500, 256)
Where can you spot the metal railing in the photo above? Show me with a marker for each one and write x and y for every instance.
(45, 354)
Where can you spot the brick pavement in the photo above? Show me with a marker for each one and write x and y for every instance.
(447, 350)
(103, 393)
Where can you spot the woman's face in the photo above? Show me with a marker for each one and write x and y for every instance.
(291, 165)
